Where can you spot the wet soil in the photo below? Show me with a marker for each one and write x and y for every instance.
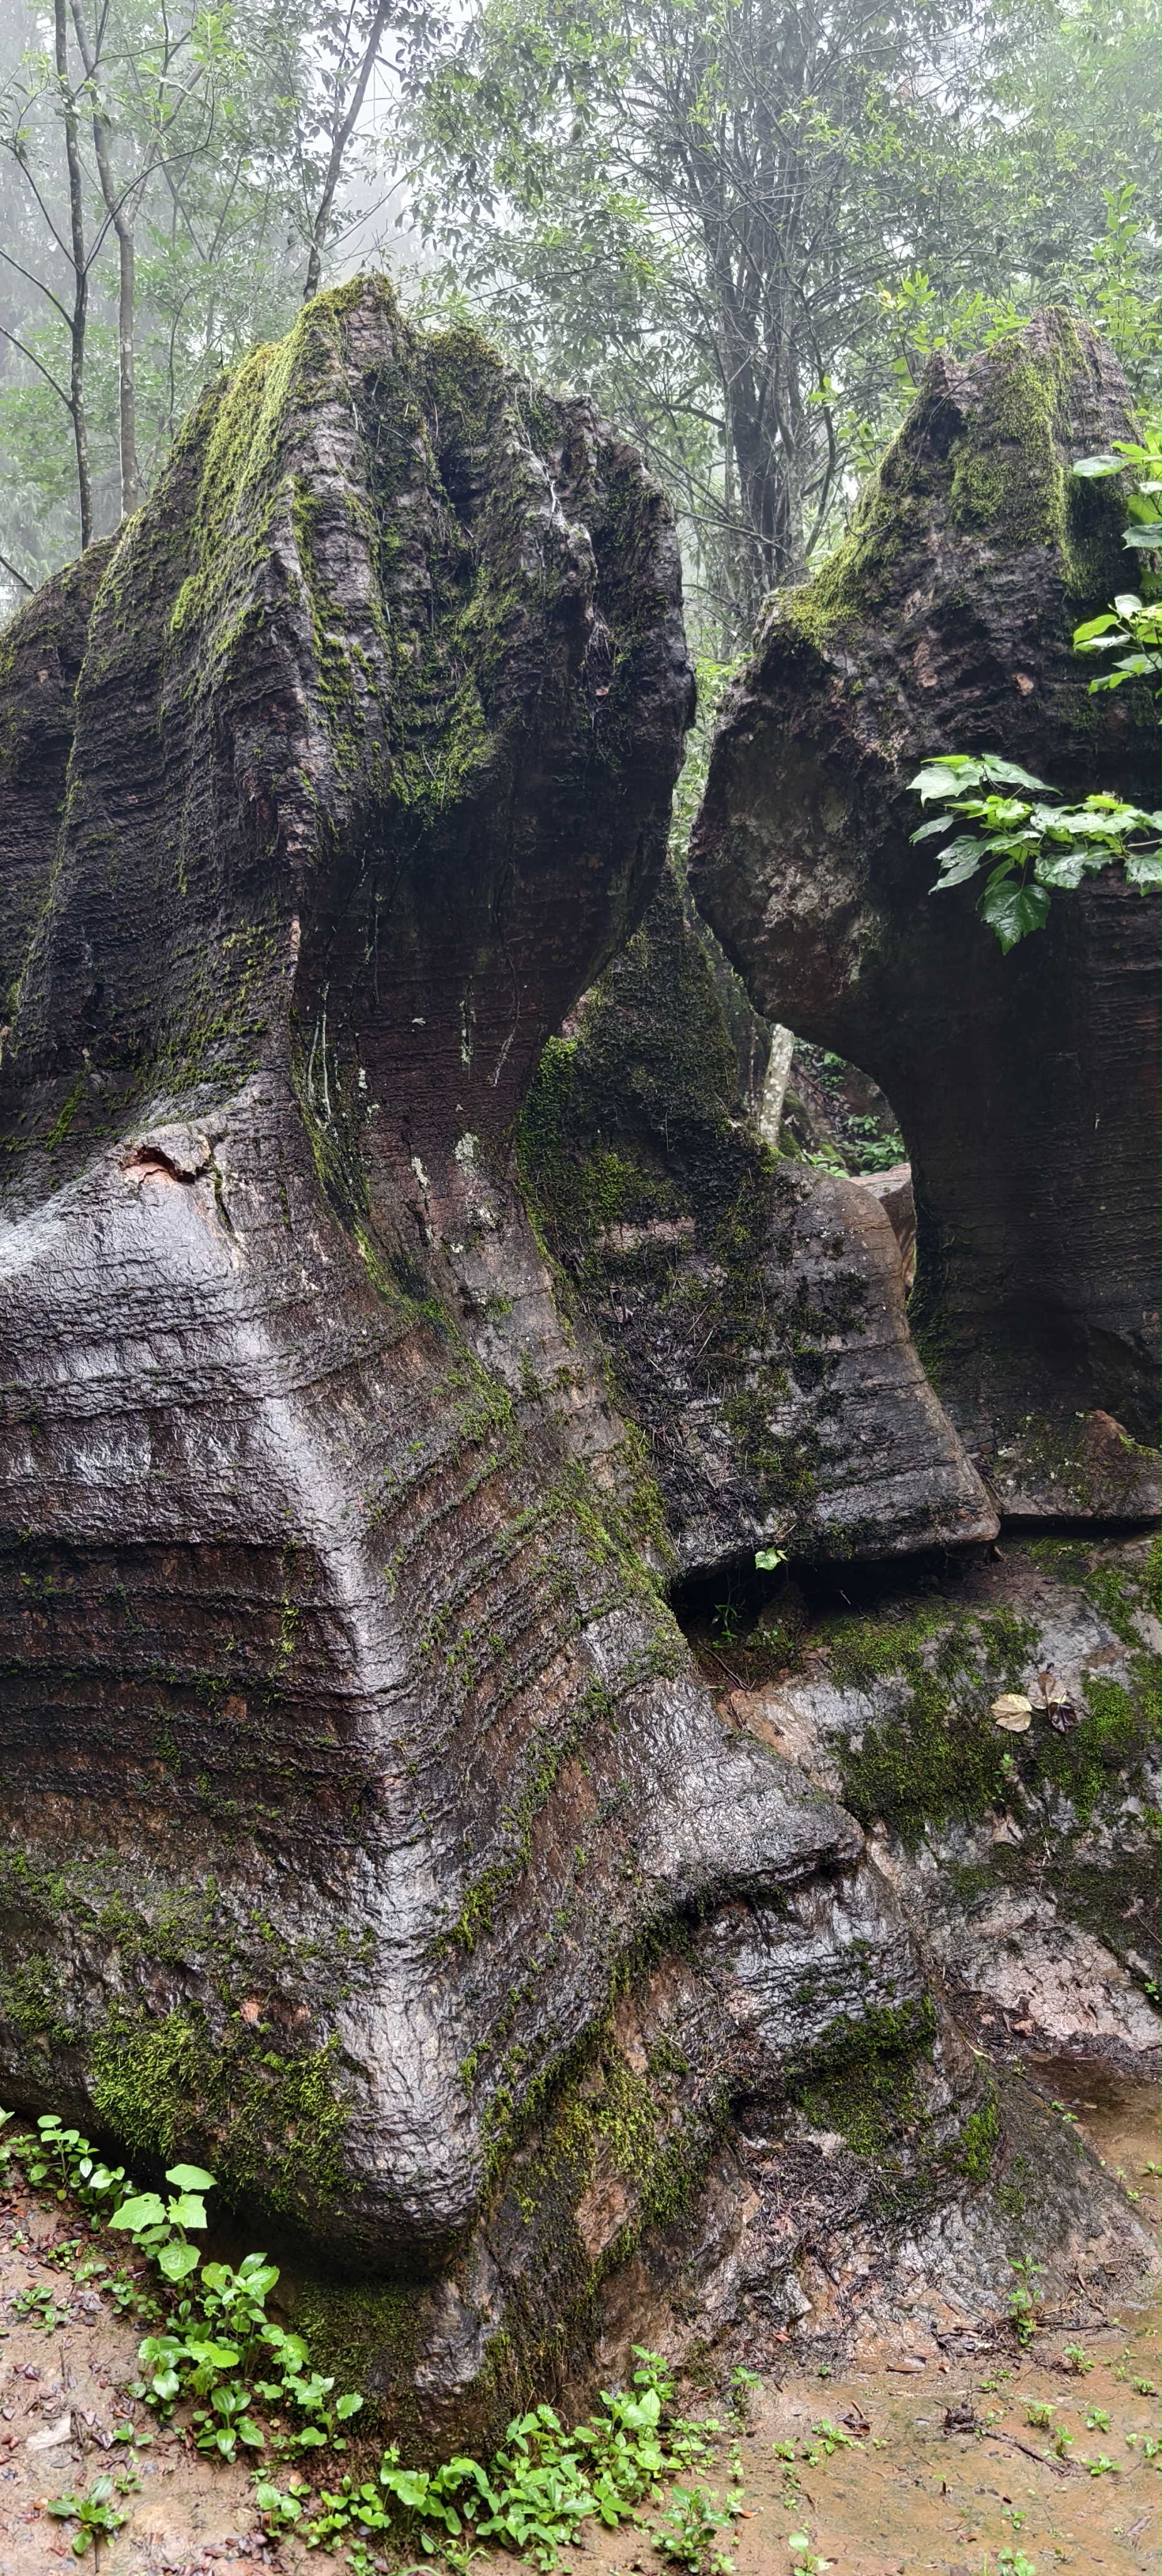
(907, 2494)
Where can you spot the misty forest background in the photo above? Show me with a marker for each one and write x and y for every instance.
(743, 225)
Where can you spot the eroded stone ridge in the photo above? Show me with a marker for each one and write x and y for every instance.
(752, 1309)
(352, 1754)
(1026, 1086)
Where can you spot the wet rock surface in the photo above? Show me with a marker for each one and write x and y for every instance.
(371, 1833)
(1025, 1085)
(355, 1763)
(751, 1309)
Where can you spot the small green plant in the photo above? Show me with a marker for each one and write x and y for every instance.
(827, 2438)
(99, 2518)
(159, 2227)
(689, 2531)
(1039, 2413)
(216, 2344)
(743, 2384)
(1141, 458)
(278, 2508)
(1144, 2387)
(1101, 2467)
(1097, 2420)
(1029, 847)
(39, 2308)
(807, 2562)
(533, 2496)
(1077, 2360)
(1132, 622)
(1013, 2562)
(1024, 2297)
(1062, 2443)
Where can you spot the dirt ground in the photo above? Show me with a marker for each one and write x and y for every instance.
(909, 2497)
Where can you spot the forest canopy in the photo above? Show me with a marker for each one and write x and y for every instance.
(743, 225)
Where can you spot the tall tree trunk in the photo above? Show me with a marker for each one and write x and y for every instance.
(80, 276)
(339, 142)
(123, 214)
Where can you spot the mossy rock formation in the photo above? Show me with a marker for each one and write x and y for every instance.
(751, 1309)
(355, 1766)
(1026, 1086)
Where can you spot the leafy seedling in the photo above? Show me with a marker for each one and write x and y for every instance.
(99, 2518)
(689, 2529)
(1024, 2297)
(807, 2562)
(1076, 2360)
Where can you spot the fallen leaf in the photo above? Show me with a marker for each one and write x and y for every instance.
(50, 2434)
(911, 2361)
(1013, 1711)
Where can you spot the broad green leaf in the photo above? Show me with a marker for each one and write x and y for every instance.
(1005, 773)
(1013, 910)
(146, 2210)
(188, 2210)
(945, 778)
(1092, 466)
(1067, 867)
(1144, 869)
(930, 830)
(177, 2261)
(1093, 626)
(1148, 539)
(192, 2178)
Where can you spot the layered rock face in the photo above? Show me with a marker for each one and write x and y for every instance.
(370, 1834)
(751, 1310)
(1026, 1086)
(357, 1773)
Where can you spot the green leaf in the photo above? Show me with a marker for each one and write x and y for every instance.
(146, 2210)
(957, 864)
(1093, 626)
(1012, 910)
(189, 2210)
(192, 2178)
(1005, 773)
(945, 778)
(1144, 869)
(1066, 868)
(178, 2261)
(1090, 467)
(767, 1558)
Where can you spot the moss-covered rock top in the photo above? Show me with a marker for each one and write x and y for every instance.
(1024, 1085)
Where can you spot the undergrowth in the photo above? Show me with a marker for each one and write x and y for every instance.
(244, 2385)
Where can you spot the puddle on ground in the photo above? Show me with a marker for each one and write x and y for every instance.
(1120, 2120)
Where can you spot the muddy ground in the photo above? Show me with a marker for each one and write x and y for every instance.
(908, 2495)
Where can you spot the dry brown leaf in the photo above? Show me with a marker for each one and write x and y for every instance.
(1013, 1711)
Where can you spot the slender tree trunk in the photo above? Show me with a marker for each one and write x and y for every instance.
(80, 277)
(339, 142)
(123, 213)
